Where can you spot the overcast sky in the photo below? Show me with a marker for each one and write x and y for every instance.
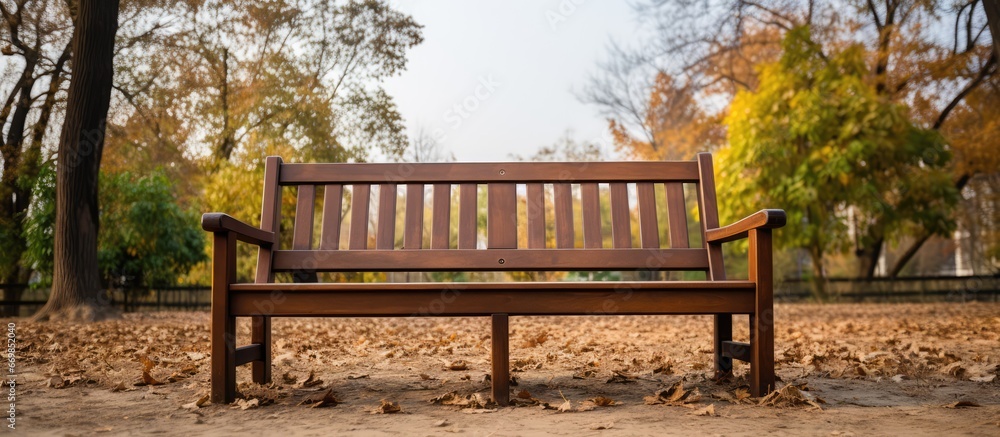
(493, 79)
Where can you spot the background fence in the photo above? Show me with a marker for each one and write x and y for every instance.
(913, 289)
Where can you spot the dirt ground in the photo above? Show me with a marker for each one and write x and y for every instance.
(845, 369)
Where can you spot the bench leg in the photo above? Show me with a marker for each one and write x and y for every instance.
(501, 360)
(723, 332)
(762, 320)
(223, 325)
(261, 334)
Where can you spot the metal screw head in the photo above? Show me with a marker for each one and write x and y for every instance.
(502, 172)
(501, 261)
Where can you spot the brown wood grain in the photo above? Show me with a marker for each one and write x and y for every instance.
(413, 230)
(270, 216)
(305, 205)
(621, 221)
(333, 198)
(762, 319)
(441, 220)
(486, 172)
(590, 204)
(385, 234)
(649, 231)
(501, 216)
(474, 299)
(563, 201)
(500, 357)
(677, 216)
(535, 201)
(360, 199)
(468, 207)
(223, 326)
(487, 260)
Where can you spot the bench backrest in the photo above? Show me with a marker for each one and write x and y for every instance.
(506, 186)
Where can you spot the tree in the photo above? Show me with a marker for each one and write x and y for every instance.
(76, 285)
(153, 241)
(818, 140)
(34, 41)
(927, 55)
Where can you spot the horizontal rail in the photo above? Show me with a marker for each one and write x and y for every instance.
(489, 260)
(512, 298)
(249, 353)
(737, 350)
(486, 172)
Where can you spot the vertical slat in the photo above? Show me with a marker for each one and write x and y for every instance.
(564, 215)
(536, 216)
(359, 216)
(467, 206)
(270, 220)
(677, 216)
(385, 238)
(649, 231)
(223, 329)
(501, 216)
(723, 325)
(270, 217)
(302, 236)
(501, 359)
(590, 203)
(413, 233)
(709, 215)
(621, 222)
(762, 320)
(333, 198)
(305, 205)
(441, 226)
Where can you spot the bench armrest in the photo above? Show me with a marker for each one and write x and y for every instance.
(219, 222)
(763, 219)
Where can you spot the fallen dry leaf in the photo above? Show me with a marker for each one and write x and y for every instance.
(565, 406)
(325, 400)
(244, 404)
(458, 365)
(311, 381)
(791, 395)
(474, 401)
(598, 426)
(388, 407)
(357, 377)
(120, 387)
(602, 401)
(707, 411)
(675, 395)
(147, 379)
(289, 379)
(196, 404)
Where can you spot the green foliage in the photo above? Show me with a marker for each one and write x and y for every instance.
(39, 227)
(145, 238)
(818, 141)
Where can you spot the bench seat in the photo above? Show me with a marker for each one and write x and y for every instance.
(487, 298)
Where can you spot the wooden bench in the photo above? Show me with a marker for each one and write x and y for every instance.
(510, 189)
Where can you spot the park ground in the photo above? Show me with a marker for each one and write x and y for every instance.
(845, 369)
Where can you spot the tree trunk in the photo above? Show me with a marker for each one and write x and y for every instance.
(76, 286)
(819, 275)
(868, 257)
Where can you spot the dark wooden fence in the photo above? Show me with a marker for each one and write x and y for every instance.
(129, 300)
(912, 289)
